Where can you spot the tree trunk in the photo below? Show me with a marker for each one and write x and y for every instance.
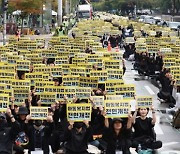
(22, 24)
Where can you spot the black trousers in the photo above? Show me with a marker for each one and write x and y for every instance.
(146, 142)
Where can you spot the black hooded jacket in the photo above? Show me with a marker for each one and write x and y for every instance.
(7, 137)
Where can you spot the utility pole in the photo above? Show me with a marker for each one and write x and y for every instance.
(4, 9)
(67, 7)
(59, 12)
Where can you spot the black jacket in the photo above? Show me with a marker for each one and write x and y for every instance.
(77, 142)
(7, 137)
(45, 137)
(121, 142)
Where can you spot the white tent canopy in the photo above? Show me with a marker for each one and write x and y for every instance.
(54, 13)
(18, 12)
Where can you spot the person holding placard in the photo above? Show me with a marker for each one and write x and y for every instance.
(117, 136)
(7, 134)
(144, 134)
(22, 140)
(39, 134)
(77, 135)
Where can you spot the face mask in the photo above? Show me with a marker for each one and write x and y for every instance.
(78, 125)
(38, 123)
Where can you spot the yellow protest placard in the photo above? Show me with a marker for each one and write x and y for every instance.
(111, 83)
(39, 85)
(6, 81)
(115, 73)
(113, 64)
(42, 69)
(117, 108)
(21, 93)
(168, 62)
(80, 71)
(38, 113)
(4, 102)
(78, 60)
(177, 78)
(70, 80)
(127, 90)
(114, 97)
(38, 76)
(2, 87)
(49, 53)
(60, 93)
(79, 112)
(61, 60)
(47, 98)
(66, 68)
(88, 82)
(100, 74)
(83, 93)
(98, 101)
(70, 92)
(129, 40)
(21, 83)
(9, 67)
(7, 74)
(144, 101)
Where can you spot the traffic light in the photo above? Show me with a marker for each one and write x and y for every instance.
(4, 5)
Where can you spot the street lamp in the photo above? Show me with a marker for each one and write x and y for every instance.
(4, 9)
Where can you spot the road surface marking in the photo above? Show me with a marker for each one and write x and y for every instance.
(149, 90)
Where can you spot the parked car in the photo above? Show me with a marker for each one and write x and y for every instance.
(174, 25)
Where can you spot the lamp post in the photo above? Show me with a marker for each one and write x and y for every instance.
(4, 9)
(59, 12)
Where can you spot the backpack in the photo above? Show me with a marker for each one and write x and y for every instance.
(176, 119)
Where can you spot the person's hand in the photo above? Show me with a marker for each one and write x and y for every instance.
(12, 99)
(129, 116)
(104, 113)
(53, 106)
(28, 117)
(49, 119)
(65, 97)
(71, 123)
(86, 122)
(75, 98)
(152, 108)
(8, 112)
(39, 102)
(91, 98)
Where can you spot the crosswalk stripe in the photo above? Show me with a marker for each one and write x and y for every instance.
(149, 90)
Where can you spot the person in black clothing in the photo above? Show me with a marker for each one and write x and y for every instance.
(143, 67)
(144, 133)
(7, 134)
(39, 134)
(151, 65)
(77, 135)
(60, 122)
(167, 83)
(117, 136)
(22, 140)
(97, 124)
(159, 62)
